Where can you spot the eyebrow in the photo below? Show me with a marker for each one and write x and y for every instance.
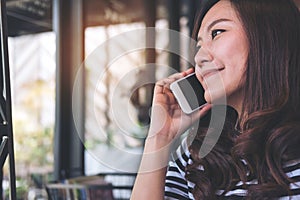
(214, 23)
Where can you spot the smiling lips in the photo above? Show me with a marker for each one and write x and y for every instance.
(210, 72)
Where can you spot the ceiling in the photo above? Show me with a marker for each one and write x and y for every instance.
(34, 16)
(28, 16)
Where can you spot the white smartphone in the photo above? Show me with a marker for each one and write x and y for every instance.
(189, 93)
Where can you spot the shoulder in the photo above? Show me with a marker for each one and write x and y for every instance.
(176, 185)
(292, 170)
(181, 156)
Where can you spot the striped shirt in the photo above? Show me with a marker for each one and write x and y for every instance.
(177, 187)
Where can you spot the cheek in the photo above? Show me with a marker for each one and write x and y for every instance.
(230, 55)
(216, 89)
(232, 51)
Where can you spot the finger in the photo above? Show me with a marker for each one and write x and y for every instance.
(171, 79)
(164, 84)
(159, 88)
(167, 90)
(176, 76)
(182, 74)
(175, 106)
(167, 98)
(162, 88)
(171, 97)
(188, 71)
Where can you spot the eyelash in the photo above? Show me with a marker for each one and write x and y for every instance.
(216, 32)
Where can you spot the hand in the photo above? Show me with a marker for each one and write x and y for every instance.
(167, 119)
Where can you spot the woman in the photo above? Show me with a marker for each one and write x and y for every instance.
(253, 47)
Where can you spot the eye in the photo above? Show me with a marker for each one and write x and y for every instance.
(216, 32)
(197, 48)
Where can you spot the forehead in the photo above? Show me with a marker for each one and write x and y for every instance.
(221, 10)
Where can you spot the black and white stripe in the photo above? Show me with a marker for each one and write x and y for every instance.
(177, 187)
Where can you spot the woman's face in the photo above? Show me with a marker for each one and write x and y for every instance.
(222, 55)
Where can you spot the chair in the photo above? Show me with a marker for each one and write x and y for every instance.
(66, 191)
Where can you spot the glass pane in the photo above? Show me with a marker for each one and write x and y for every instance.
(32, 69)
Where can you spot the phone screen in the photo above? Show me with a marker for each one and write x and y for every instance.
(193, 91)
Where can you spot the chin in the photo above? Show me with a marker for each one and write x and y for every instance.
(207, 98)
(215, 97)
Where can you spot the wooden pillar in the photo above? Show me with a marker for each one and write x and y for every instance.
(68, 147)
(174, 7)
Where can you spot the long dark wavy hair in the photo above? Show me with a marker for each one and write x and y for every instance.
(269, 135)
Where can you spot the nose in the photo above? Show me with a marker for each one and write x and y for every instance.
(203, 56)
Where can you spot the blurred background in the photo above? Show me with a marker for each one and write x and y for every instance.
(70, 68)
